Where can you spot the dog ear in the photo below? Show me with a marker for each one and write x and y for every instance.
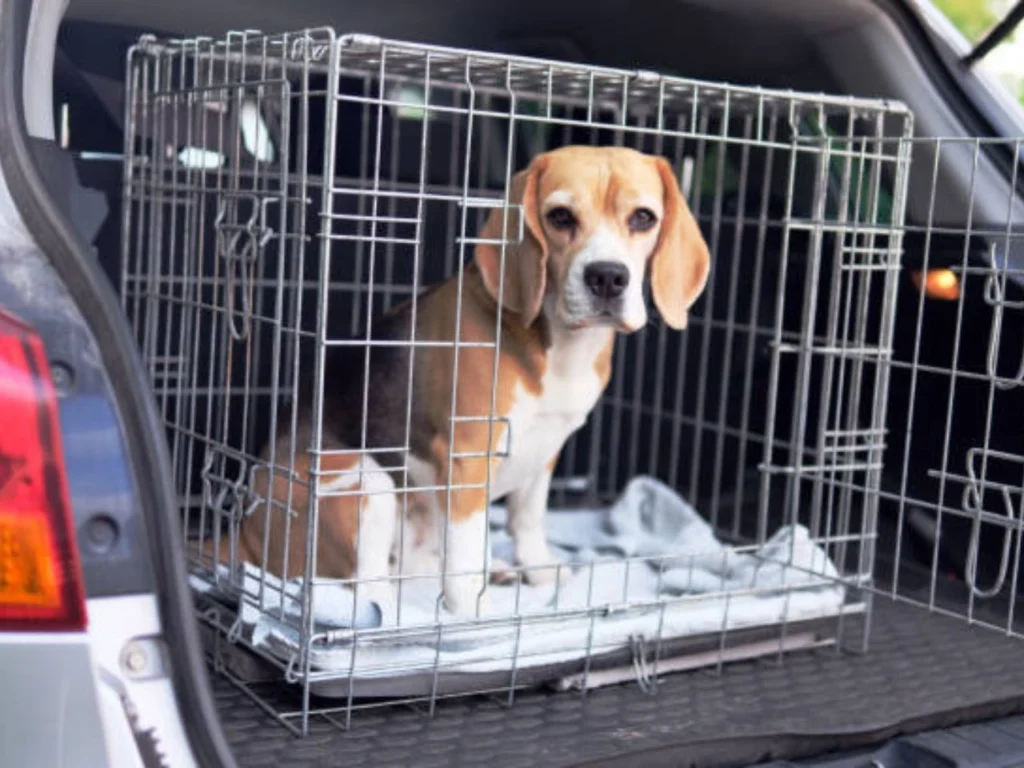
(526, 250)
(681, 261)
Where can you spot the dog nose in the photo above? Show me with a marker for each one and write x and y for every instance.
(606, 279)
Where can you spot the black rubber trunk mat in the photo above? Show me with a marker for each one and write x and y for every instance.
(922, 671)
(991, 744)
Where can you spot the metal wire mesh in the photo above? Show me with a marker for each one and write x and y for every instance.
(954, 481)
(283, 191)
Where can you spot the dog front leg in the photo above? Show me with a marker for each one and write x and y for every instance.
(465, 541)
(527, 507)
(465, 579)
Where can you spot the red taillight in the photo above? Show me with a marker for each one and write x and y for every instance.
(40, 576)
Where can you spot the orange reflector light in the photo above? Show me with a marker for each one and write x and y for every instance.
(937, 283)
(40, 575)
(27, 569)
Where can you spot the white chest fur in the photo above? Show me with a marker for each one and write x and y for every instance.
(540, 424)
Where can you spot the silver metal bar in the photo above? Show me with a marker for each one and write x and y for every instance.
(731, 330)
(752, 327)
(773, 385)
(322, 304)
(709, 310)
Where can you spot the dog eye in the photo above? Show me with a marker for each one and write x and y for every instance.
(642, 220)
(561, 219)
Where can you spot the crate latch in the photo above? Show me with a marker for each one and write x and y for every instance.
(645, 680)
(242, 235)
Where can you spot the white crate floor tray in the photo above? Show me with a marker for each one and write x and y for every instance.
(650, 551)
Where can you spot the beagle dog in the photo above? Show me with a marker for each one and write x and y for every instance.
(455, 416)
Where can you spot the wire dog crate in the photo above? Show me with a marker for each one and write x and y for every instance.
(283, 191)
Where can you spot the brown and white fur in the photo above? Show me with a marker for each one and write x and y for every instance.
(597, 223)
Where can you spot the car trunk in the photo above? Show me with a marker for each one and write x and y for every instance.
(915, 664)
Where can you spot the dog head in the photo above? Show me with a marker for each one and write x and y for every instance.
(596, 222)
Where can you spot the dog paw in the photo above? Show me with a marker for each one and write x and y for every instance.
(539, 567)
(383, 594)
(547, 573)
(465, 596)
(503, 572)
(419, 563)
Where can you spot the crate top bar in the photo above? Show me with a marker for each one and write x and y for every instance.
(395, 61)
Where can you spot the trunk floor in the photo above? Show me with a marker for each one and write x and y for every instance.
(922, 671)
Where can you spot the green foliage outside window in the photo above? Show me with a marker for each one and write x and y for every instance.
(976, 17)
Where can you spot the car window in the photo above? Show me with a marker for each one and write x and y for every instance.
(1005, 62)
